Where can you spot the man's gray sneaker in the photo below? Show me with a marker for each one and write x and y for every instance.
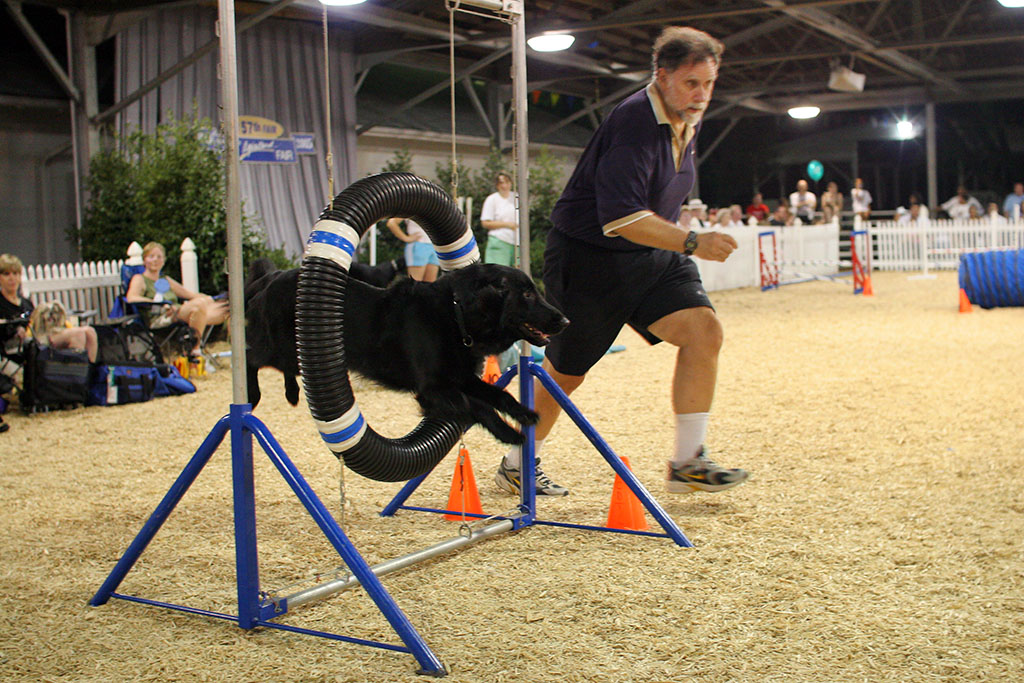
(702, 474)
(508, 480)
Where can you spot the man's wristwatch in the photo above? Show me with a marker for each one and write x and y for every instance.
(690, 245)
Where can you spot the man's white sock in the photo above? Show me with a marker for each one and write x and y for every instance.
(514, 457)
(691, 428)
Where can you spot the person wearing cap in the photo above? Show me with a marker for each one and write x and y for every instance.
(616, 256)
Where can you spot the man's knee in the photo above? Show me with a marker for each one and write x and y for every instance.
(693, 328)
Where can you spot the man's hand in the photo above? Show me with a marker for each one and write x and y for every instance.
(715, 246)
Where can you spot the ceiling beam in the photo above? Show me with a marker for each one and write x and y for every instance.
(14, 8)
(833, 26)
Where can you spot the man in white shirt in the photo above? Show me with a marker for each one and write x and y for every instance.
(959, 206)
(860, 199)
(803, 202)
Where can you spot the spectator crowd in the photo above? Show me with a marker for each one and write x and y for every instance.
(804, 207)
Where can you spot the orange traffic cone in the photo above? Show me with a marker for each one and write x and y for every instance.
(492, 373)
(625, 511)
(867, 286)
(965, 303)
(463, 496)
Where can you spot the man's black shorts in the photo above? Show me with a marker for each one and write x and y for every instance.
(600, 290)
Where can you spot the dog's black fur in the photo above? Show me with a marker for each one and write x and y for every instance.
(408, 337)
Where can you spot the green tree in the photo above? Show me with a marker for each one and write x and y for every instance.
(164, 187)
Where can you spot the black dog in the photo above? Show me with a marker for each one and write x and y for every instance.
(427, 338)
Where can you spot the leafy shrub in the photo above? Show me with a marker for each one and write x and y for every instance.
(164, 187)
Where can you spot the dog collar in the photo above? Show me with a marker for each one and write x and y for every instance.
(467, 340)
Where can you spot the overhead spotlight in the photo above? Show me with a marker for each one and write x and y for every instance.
(904, 129)
(1012, 3)
(341, 3)
(804, 112)
(551, 42)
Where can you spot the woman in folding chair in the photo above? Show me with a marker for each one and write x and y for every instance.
(197, 310)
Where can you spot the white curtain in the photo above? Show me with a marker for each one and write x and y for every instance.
(280, 77)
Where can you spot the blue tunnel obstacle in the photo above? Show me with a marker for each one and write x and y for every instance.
(993, 278)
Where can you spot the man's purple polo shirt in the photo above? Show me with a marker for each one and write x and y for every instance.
(626, 168)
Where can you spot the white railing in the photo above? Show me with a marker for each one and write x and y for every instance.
(801, 251)
(89, 289)
(939, 243)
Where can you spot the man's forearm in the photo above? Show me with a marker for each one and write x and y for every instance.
(654, 231)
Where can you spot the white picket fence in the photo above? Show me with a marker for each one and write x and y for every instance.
(938, 244)
(89, 289)
(83, 288)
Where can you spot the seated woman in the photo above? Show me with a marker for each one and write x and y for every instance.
(197, 310)
(14, 308)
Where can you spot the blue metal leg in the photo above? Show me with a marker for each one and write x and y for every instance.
(528, 464)
(403, 495)
(666, 522)
(385, 603)
(247, 564)
(162, 512)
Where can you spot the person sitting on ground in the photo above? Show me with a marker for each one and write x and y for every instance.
(757, 208)
(420, 258)
(15, 307)
(181, 304)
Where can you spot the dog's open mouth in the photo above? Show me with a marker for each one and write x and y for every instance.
(533, 335)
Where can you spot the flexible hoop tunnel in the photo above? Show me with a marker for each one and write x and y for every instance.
(320, 320)
(993, 278)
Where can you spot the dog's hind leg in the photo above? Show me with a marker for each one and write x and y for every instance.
(291, 389)
(252, 381)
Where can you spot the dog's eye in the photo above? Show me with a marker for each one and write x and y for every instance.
(529, 296)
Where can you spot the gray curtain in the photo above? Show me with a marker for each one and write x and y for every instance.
(280, 77)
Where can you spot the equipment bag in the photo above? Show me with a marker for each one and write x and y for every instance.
(55, 377)
(134, 383)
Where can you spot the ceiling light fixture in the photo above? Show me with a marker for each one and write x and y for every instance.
(804, 112)
(1012, 3)
(341, 3)
(551, 42)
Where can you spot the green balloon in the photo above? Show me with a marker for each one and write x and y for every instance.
(815, 170)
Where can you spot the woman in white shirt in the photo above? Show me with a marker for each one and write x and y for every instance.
(498, 217)
(420, 258)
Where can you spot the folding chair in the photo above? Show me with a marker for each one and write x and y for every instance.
(168, 341)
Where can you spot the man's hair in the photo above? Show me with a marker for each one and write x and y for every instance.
(681, 45)
(9, 263)
(501, 174)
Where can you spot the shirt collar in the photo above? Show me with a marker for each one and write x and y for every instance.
(681, 131)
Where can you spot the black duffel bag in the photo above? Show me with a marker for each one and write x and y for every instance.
(54, 378)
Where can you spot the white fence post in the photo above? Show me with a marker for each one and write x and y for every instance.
(189, 265)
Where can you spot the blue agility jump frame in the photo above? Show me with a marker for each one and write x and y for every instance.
(527, 370)
(254, 609)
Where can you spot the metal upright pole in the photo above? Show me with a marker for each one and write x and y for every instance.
(233, 200)
(521, 135)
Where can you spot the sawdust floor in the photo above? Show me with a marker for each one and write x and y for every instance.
(880, 536)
